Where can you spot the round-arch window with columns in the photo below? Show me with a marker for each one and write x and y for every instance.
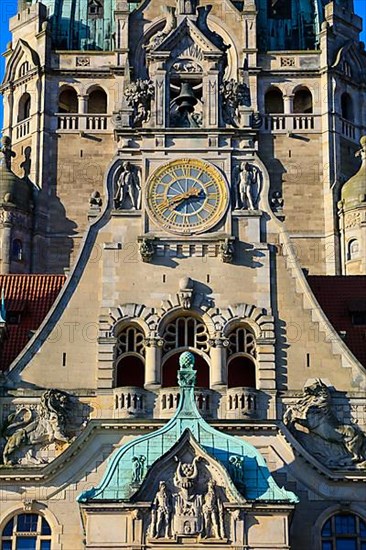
(273, 101)
(241, 357)
(130, 357)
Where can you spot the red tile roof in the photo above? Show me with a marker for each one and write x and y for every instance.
(30, 296)
(338, 297)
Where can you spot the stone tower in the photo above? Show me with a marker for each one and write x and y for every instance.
(201, 161)
(353, 219)
(66, 109)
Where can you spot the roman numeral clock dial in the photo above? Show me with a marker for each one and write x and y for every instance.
(187, 196)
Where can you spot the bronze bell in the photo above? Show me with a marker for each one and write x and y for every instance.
(186, 99)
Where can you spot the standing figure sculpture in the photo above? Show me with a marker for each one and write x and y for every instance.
(212, 525)
(245, 187)
(161, 513)
(128, 192)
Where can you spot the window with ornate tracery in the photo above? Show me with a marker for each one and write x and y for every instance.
(186, 332)
(241, 340)
(344, 532)
(26, 532)
(130, 340)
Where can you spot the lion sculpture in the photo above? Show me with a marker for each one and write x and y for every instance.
(335, 443)
(38, 427)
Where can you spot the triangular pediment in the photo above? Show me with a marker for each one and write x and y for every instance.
(22, 52)
(188, 40)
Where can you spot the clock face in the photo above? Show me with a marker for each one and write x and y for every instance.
(187, 196)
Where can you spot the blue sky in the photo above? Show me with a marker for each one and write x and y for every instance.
(8, 8)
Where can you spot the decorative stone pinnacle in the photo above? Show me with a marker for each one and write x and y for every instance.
(187, 374)
(363, 148)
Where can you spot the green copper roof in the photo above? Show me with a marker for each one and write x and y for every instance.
(254, 482)
(354, 190)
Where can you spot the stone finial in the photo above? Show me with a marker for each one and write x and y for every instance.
(362, 151)
(8, 153)
(187, 374)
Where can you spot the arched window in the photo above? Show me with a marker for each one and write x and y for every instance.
(97, 102)
(24, 107)
(353, 249)
(186, 332)
(273, 101)
(347, 107)
(24, 69)
(17, 252)
(26, 532)
(241, 353)
(171, 367)
(344, 532)
(130, 354)
(303, 101)
(68, 101)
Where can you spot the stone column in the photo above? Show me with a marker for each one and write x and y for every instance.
(153, 349)
(218, 362)
(6, 245)
(288, 104)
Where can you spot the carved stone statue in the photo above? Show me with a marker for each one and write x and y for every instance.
(138, 463)
(7, 152)
(233, 94)
(332, 442)
(236, 469)
(147, 250)
(187, 502)
(95, 201)
(212, 514)
(161, 513)
(187, 7)
(139, 95)
(27, 163)
(170, 25)
(246, 187)
(227, 251)
(45, 425)
(128, 188)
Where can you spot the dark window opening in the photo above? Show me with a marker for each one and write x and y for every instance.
(17, 253)
(241, 373)
(171, 367)
(68, 101)
(273, 101)
(130, 372)
(347, 107)
(24, 107)
(97, 102)
(303, 101)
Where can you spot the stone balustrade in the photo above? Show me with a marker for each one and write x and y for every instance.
(169, 399)
(75, 122)
(292, 123)
(130, 402)
(22, 129)
(242, 403)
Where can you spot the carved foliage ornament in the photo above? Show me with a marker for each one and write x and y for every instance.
(234, 95)
(138, 96)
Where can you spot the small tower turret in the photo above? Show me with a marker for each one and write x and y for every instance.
(353, 220)
(16, 205)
